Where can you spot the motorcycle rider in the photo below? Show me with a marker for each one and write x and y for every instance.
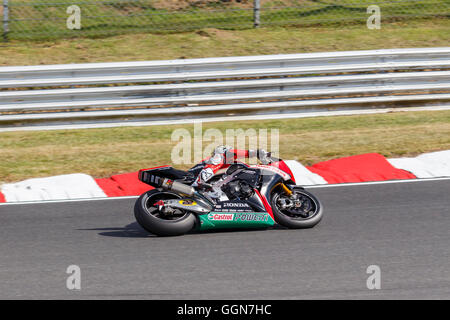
(221, 157)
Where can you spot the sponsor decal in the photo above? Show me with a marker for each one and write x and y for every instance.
(251, 217)
(187, 202)
(233, 206)
(221, 216)
(207, 174)
(238, 217)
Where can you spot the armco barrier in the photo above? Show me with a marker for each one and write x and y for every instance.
(146, 92)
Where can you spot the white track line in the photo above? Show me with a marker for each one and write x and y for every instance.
(375, 182)
(306, 187)
(67, 200)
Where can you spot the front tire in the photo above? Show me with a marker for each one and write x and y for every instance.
(154, 222)
(311, 211)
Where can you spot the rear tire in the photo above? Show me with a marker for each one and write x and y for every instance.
(293, 222)
(145, 215)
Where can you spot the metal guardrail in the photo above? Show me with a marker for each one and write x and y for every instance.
(206, 88)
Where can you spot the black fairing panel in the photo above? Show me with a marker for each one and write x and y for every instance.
(255, 202)
(268, 183)
(166, 172)
(251, 176)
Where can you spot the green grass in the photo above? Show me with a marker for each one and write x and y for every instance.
(215, 42)
(103, 152)
(47, 20)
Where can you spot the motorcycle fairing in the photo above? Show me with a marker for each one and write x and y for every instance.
(254, 212)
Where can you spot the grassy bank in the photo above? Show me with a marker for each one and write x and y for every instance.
(214, 42)
(103, 152)
(41, 19)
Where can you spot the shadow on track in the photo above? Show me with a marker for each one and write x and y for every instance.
(134, 230)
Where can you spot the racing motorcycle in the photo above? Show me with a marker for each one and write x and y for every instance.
(240, 196)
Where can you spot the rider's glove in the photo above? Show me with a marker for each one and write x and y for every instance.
(221, 150)
(252, 153)
(264, 156)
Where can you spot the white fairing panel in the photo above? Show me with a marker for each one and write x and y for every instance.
(272, 169)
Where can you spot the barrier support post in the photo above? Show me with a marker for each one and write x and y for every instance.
(256, 13)
(5, 20)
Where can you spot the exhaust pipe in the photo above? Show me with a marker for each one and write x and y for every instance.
(203, 205)
(178, 187)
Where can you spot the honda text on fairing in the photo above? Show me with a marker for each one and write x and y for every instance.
(238, 196)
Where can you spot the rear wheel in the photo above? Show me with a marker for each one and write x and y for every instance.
(151, 219)
(302, 211)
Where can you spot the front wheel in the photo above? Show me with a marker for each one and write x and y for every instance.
(300, 211)
(154, 221)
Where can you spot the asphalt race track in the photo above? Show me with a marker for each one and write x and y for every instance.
(404, 228)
